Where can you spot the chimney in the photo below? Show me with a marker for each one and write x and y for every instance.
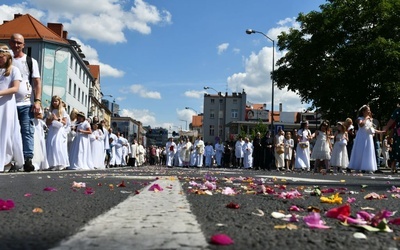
(265, 106)
(56, 28)
(65, 34)
(280, 107)
(17, 15)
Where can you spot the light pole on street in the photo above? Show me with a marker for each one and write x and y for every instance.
(192, 109)
(250, 31)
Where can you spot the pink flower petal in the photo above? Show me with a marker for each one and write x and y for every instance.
(6, 204)
(221, 239)
(228, 191)
(156, 187)
(314, 221)
(27, 195)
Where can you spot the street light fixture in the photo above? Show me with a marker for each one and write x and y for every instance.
(219, 110)
(192, 109)
(249, 32)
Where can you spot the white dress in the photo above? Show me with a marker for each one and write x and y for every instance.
(39, 159)
(97, 147)
(339, 153)
(321, 150)
(247, 152)
(363, 153)
(279, 158)
(56, 143)
(81, 154)
(302, 160)
(10, 137)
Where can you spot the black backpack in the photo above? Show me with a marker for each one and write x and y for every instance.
(29, 62)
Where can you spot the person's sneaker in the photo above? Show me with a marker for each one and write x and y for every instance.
(28, 166)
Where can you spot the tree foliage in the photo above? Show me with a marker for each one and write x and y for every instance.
(343, 56)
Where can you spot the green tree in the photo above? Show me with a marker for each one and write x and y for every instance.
(343, 56)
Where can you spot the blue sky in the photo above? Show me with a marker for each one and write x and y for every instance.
(157, 55)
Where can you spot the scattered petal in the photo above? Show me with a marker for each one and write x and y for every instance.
(27, 195)
(360, 236)
(78, 184)
(314, 221)
(6, 204)
(260, 213)
(335, 212)
(291, 226)
(89, 191)
(351, 200)
(278, 215)
(221, 239)
(125, 192)
(122, 184)
(294, 208)
(280, 226)
(37, 210)
(50, 189)
(228, 191)
(208, 192)
(313, 209)
(233, 205)
(333, 199)
(155, 188)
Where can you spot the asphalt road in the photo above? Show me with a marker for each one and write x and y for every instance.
(49, 208)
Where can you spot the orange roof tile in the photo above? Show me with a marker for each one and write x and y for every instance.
(95, 71)
(30, 28)
(197, 121)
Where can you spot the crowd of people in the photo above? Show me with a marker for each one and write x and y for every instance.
(51, 139)
(342, 148)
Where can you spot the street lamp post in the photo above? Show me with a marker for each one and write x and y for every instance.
(219, 110)
(250, 31)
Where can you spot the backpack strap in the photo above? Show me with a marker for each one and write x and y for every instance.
(29, 62)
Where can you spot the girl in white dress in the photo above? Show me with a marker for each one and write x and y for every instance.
(81, 154)
(363, 154)
(56, 146)
(340, 159)
(10, 137)
(289, 145)
(280, 150)
(39, 159)
(97, 147)
(322, 147)
(302, 160)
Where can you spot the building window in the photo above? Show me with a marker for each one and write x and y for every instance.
(234, 101)
(212, 101)
(212, 130)
(71, 62)
(234, 113)
(79, 94)
(74, 90)
(76, 68)
(69, 86)
(212, 114)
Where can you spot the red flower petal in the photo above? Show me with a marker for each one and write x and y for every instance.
(155, 187)
(221, 239)
(122, 184)
(335, 212)
(233, 205)
(50, 189)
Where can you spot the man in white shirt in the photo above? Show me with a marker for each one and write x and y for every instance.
(28, 97)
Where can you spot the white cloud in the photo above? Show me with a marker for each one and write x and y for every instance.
(104, 21)
(143, 92)
(92, 57)
(145, 116)
(256, 78)
(236, 50)
(222, 47)
(194, 94)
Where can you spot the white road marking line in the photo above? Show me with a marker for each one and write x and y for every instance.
(297, 178)
(149, 220)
